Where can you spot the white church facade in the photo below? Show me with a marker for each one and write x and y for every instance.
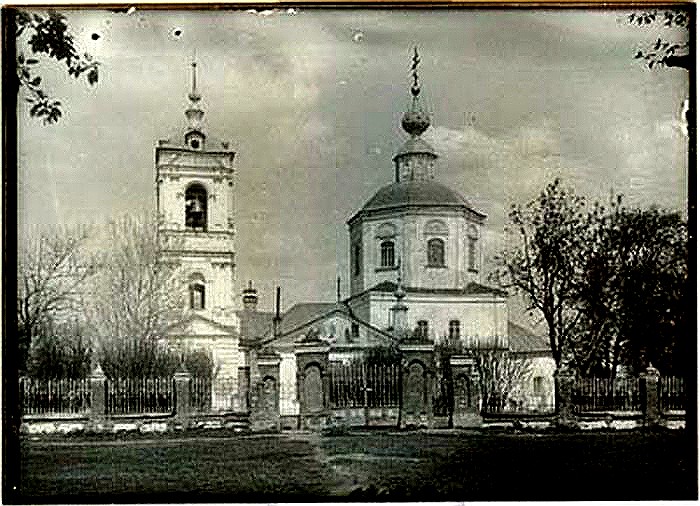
(416, 243)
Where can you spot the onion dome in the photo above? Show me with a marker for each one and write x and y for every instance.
(415, 122)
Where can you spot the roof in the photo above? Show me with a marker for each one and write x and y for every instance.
(417, 193)
(469, 289)
(415, 145)
(254, 323)
(302, 313)
(524, 340)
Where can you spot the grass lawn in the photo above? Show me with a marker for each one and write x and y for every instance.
(369, 466)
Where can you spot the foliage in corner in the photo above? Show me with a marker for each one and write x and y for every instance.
(663, 53)
(48, 35)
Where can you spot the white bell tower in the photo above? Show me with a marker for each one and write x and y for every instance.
(195, 202)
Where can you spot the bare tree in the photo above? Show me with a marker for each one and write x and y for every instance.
(52, 273)
(136, 298)
(501, 376)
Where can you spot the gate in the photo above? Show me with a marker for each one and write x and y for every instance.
(362, 393)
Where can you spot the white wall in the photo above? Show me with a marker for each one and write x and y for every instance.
(410, 243)
(289, 405)
(543, 367)
(485, 317)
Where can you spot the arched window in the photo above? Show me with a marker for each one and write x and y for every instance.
(454, 329)
(196, 207)
(197, 299)
(387, 254)
(472, 251)
(436, 253)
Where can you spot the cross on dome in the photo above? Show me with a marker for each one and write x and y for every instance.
(415, 121)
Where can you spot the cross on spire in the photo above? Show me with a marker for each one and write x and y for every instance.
(194, 95)
(415, 89)
(194, 112)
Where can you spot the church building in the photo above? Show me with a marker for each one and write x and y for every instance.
(416, 267)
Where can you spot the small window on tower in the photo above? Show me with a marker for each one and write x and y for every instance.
(194, 143)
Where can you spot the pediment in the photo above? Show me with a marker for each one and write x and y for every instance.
(198, 325)
(336, 329)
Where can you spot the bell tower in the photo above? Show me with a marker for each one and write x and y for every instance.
(195, 202)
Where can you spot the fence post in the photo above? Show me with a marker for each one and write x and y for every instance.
(650, 377)
(182, 397)
(565, 379)
(98, 397)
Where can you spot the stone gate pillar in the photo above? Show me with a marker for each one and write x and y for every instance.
(265, 405)
(98, 397)
(182, 379)
(313, 383)
(652, 414)
(418, 371)
(565, 380)
(467, 394)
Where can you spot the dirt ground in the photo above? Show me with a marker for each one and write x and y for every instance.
(374, 466)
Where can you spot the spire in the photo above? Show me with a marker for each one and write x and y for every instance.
(415, 161)
(194, 112)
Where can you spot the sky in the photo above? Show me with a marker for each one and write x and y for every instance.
(311, 101)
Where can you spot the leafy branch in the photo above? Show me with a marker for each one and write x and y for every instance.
(663, 53)
(48, 35)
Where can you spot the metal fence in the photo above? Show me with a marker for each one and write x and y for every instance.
(145, 395)
(672, 394)
(604, 394)
(357, 385)
(217, 394)
(69, 396)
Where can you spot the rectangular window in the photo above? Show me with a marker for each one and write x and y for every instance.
(538, 385)
(454, 330)
(387, 254)
(355, 330)
(471, 251)
(422, 329)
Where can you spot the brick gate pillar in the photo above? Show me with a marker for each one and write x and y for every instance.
(652, 414)
(418, 385)
(467, 394)
(265, 405)
(313, 384)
